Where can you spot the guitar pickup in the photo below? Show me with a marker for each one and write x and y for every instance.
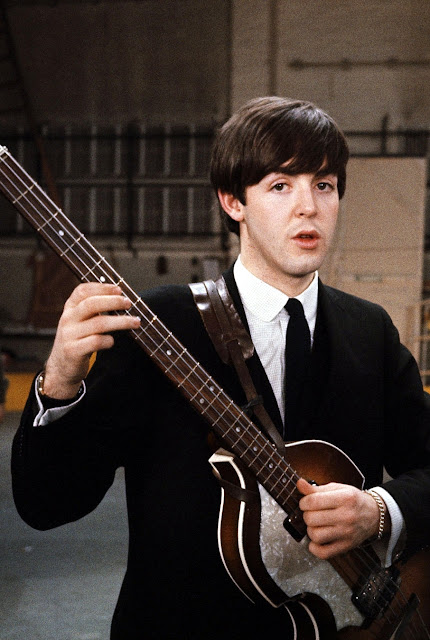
(374, 596)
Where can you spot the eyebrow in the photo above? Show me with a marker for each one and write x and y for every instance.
(324, 171)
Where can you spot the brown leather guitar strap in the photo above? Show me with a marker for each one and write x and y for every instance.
(233, 345)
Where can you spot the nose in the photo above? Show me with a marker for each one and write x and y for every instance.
(305, 203)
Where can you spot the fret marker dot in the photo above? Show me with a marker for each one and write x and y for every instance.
(271, 465)
(61, 232)
(255, 448)
(102, 279)
(202, 400)
(169, 353)
(284, 480)
(238, 429)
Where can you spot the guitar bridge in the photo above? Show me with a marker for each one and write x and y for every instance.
(374, 596)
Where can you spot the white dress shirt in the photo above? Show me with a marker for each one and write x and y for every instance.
(268, 322)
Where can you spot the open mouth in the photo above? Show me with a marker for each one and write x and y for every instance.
(307, 239)
(312, 235)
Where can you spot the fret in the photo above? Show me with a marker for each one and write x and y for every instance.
(213, 399)
(276, 490)
(160, 345)
(69, 246)
(237, 430)
(21, 195)
(92, 269)
(255, 444)
(189, 374)
(199, 390)
(48, 222)
(251, 448)
(221, 416)
(272, 466)
(262, 452)
(286, 493)
(136, 307)
(197, 393)
(253, 452)
(85, 275)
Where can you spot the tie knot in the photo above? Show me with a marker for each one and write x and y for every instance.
(294, 307)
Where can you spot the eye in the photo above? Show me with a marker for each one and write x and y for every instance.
(279, 186)
(325, 186)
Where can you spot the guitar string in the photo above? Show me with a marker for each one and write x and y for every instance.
(27, 186)
(102, 261)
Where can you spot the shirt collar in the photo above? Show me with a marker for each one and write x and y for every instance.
(265, 301)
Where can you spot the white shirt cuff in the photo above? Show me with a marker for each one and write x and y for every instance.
(46, 416)
(397, 527)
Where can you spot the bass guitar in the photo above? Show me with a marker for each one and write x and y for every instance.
(262, 535)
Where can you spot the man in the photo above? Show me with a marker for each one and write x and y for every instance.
(278, 168)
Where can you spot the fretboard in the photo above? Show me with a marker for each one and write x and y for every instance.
(236, 430)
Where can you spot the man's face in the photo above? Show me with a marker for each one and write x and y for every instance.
(286, 227)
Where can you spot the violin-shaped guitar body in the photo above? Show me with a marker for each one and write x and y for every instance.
(322, 600)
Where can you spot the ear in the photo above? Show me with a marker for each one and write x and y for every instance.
(231, 205)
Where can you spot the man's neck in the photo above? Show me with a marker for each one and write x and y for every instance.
(291, 286)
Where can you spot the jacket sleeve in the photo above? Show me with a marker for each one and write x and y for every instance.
(62, 470)
(407, 438)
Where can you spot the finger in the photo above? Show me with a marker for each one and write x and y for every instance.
(321, 518)
(325, 535)
(88, 345)
(305, 487)
(328, 496)
(93, 306)
(326, 551)
(87, 289)
(102, 324)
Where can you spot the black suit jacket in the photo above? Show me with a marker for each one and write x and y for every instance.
(365, 396)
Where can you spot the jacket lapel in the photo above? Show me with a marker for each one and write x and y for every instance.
(334, 354)
(329, 352)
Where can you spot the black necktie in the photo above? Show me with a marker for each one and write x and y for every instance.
(297, 351)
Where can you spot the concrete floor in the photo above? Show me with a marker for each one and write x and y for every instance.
(60, 584)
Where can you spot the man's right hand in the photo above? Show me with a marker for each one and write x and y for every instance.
(84, 328)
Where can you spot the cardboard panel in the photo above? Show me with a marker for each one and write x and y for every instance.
(378, 250)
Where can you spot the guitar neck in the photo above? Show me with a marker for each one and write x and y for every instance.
(204, 394)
